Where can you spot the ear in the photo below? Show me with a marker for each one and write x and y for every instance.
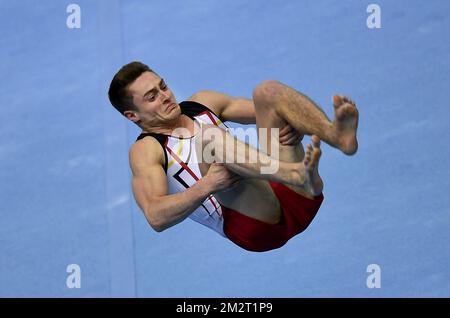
(131, 115)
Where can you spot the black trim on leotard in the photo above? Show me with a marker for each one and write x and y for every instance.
(188, 108)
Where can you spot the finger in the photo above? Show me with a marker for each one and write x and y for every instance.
(296, 141)
(289, 135)
(291, 141)
(294, 138)
(285, 138)
(285, 130)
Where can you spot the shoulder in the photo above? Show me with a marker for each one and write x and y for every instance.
(146, 152)
(216, 101)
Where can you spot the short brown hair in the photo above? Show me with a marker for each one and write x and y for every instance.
(118, 89)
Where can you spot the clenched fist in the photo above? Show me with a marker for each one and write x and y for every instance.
(220, 178)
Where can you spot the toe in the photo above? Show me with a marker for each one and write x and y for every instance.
(348, 100)
(317, 152)
(316, 141)
(306, 160)
(337, 100)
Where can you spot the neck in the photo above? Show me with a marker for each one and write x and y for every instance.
(178, 128)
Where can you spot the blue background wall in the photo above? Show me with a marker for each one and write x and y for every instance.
(64, 176)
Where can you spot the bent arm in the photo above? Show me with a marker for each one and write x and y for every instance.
(246, 160)
(150, 188)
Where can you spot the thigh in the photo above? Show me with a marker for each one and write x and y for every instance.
(268, 118)
(251, 197)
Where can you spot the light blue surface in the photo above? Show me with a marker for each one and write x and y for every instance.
(65, 186)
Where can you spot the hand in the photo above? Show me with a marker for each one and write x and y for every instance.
(220, 178)
(289, 136)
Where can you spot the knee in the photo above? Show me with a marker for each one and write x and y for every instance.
(266, 91)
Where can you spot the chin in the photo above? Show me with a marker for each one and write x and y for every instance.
(176, 111)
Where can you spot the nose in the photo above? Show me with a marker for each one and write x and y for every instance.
(164, 95)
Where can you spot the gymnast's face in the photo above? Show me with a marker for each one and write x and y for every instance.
(154, 101)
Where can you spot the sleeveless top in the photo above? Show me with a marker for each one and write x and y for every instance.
(181, 164)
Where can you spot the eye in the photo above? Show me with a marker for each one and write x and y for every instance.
(163, 86)
(150, 97)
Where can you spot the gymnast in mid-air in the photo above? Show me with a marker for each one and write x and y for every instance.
(186, 163)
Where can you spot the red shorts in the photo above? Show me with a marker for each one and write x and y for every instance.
(297, 212)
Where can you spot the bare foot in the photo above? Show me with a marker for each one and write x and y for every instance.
(313, 182)
(346, 124)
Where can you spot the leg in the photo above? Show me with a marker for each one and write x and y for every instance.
(267, 117)
(285, 104)
(253, 196)
(219, 146)
(216, 145)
